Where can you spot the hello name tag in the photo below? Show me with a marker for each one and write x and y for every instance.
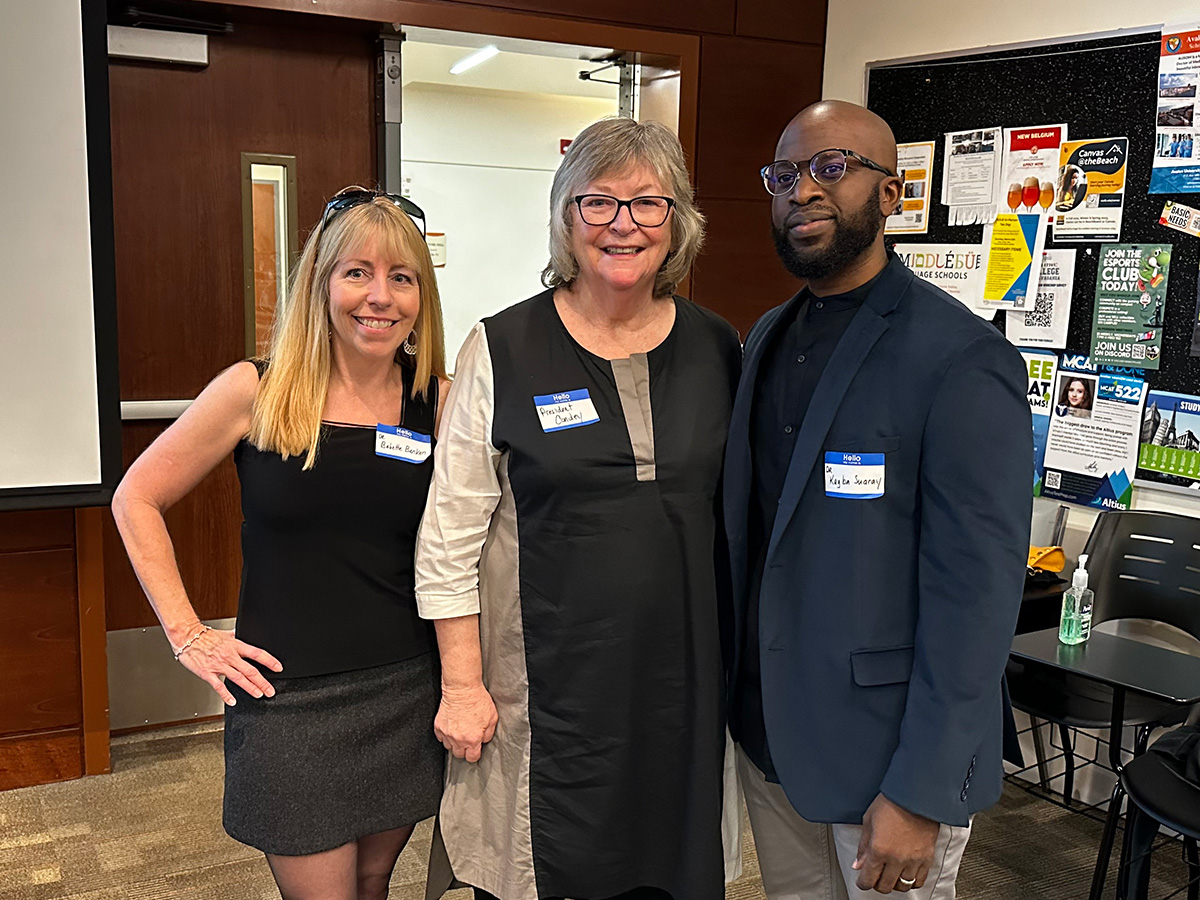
(402, 444)
(854, 476)
(568, 409)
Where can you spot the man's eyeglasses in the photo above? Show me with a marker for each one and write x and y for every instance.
(601, 209)
(826, 167)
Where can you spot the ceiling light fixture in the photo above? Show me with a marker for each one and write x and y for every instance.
(483, 54)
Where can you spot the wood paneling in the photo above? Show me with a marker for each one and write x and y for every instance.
(177, 136)
(205, 527)
(93, 638)
(716, 16)
(738, 275)
(39, 641)
(749, 90)
(798, 21)
(40, 758)
(40, 529)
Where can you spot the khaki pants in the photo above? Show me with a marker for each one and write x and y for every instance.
(802, 860)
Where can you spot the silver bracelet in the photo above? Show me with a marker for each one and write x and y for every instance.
(191, 640)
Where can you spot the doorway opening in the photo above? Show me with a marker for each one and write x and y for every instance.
(479, 148)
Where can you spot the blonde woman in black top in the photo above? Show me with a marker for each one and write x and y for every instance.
(330, 680)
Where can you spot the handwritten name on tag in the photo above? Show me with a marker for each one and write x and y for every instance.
(855, 476)
(567, 409)
(402, 444)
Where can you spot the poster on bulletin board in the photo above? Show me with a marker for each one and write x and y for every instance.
(1040, 367)
(1090, 199)
(1045, 323)
(1014, 245)
(1131, 295)
(914, 163)
(1169, 452)
(1095, 431)
(1176, 167)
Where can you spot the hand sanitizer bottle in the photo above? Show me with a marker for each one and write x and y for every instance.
(1075, 627)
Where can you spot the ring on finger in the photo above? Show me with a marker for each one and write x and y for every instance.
(906, 882)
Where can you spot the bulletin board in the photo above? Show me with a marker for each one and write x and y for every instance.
(1104, 87)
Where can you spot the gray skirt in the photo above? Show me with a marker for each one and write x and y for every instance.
(333, 758)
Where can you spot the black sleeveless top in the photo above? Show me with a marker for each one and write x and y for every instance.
(327, 554)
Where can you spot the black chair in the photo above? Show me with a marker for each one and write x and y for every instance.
(1163, 788)
(1141, 565)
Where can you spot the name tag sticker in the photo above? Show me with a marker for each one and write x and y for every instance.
(855, 476)
(568, 409)
(400, 443)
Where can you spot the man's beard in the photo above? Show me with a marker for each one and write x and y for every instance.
(852, 236)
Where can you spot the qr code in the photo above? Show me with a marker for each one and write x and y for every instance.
(1137, 351)
(1039, 316)
(1054, 480)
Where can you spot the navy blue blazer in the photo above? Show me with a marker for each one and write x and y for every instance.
(884, 624)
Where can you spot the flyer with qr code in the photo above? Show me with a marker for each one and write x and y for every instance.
(914, 162)
(1131, 299)
(1095, 430)
(1045, 325)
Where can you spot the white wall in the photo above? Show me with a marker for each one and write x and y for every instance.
(481, 162)
(863, 31)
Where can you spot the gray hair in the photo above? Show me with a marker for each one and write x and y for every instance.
(608, 147)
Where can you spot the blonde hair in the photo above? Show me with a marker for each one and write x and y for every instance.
(608, 147)
(286, 417)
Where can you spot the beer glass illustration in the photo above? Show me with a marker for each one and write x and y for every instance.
(1014, 196)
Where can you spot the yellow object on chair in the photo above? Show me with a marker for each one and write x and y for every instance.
(1048, 559)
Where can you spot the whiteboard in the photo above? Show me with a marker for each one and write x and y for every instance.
(50, 395)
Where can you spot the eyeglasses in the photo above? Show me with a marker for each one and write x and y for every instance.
(826, 167)
(356, 196)
(601, 209)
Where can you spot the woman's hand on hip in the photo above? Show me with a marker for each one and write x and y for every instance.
(465, 721)
(216, 654)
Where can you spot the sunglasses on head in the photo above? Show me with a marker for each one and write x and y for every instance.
(356, 196)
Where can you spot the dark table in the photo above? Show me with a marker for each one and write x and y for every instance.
(1124, 665)
(1041, 605)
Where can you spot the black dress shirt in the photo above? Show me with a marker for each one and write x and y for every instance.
(788, 374)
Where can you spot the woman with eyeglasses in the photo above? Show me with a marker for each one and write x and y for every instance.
(567, 553)
(330, 680)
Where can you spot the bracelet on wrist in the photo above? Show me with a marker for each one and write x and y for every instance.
(190, 641)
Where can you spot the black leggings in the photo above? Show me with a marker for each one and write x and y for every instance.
(642, 893)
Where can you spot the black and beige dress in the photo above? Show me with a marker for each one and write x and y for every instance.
(573, 508)
(345, 748)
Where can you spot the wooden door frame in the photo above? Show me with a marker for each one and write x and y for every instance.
(656, 48)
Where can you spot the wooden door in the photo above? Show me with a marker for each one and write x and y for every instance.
(276, 85)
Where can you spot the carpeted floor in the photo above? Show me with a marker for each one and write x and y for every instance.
(151, 831)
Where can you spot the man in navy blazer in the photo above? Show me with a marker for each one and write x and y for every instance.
(877, 504)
